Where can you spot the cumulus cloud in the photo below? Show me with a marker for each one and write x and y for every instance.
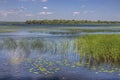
(45, 7)
(40, 0)
(34, 0)
(76, 13)
(45, 13)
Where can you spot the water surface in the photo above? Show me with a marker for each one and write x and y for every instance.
(45, 56)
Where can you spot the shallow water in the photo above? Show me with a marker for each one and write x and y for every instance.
(46, 56)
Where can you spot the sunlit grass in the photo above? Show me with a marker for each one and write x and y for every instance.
(100, 49)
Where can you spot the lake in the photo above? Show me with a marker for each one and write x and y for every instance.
(52, 52)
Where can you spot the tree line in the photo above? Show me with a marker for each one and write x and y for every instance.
(70, 22)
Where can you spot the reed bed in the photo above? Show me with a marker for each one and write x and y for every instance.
(100, 49)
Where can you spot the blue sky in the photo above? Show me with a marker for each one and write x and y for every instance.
(22, 10)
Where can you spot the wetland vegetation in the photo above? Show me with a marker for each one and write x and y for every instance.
(100, 49)
(91, 54)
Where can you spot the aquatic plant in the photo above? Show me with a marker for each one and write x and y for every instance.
(7, 30)
(10, 43)
(37, 44)
(1, 45)
(24, 45)
(100, 49)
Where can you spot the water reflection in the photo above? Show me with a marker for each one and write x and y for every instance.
(37, 57)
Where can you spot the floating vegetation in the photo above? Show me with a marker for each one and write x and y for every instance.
(30, 70)
(40, 66)
(46, 66)
(98, 53)
(78, 64)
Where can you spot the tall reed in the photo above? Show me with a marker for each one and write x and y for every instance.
(100, 49)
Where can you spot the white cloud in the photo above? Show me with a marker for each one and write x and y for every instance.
(76, 13)
(34, 0)
(45, 13)
(40, 0)
(12, 12)
(45, 7)
(7, 13)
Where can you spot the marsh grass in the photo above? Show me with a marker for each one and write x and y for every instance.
(1, 45)
(8, 30)
(38, 30)
(37, 44)
(25, 46)
(100, 49)
(10, 43)
(94, 30)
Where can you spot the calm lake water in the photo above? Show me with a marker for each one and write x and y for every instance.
(40, 55)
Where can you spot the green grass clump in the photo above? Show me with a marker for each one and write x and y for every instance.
(10, 43)
(99, 49)
(37, 44)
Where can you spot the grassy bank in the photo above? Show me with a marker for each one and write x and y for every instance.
(99, 49)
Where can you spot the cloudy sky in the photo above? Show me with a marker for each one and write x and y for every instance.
(22, 10)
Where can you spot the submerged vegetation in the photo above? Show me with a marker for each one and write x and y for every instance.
(99, 53)
(37, 44)
(8, 30)
(100, 49)
(93, 49)
(70, 22)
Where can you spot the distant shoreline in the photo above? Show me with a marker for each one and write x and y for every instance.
(62, 22)
(70, 22)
